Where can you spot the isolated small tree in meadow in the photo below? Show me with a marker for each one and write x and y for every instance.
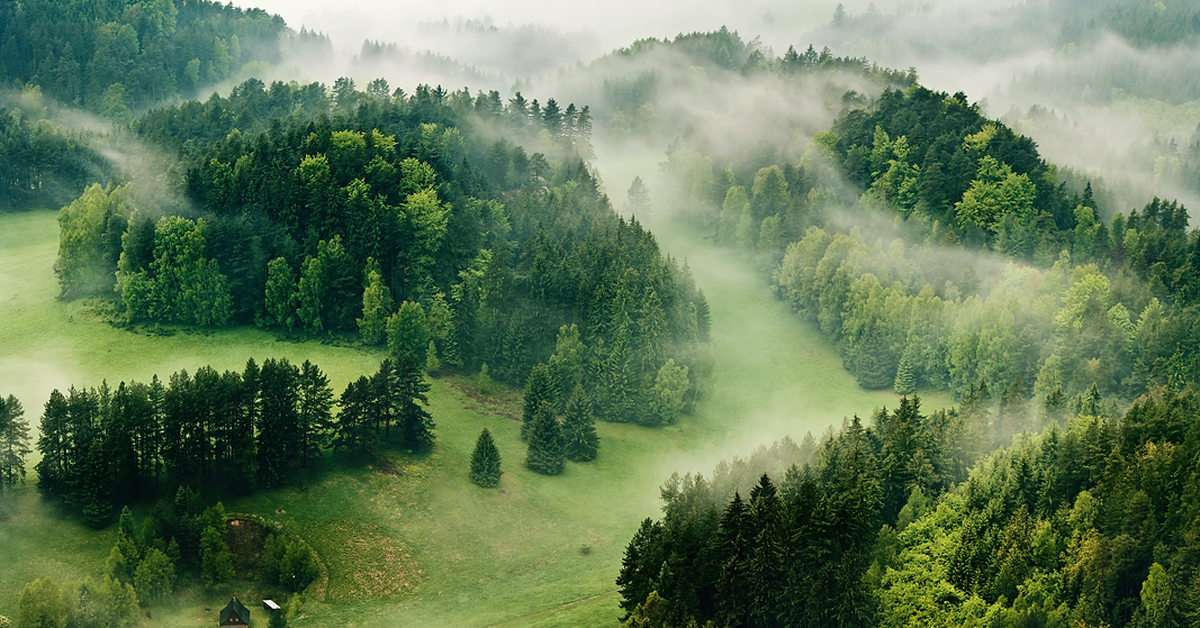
(546, 453)
(485, 461)
(579, 428)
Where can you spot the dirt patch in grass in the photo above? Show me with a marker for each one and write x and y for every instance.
(365, 563)
(505, 402)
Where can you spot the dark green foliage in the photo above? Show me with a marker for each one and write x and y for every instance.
(539, 388)
(580, 440)
(151, 52)
(289, 562)
(485, 461)
(14, 443)
(545, 454)
(416, 425)
(42, 166)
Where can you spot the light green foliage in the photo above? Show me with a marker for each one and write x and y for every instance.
(113, 106)
(181, 285)
(426, 218)
(216, 561)
(996, 193)
(155, 576)
(408, 332)
(281, 294)
(289, 562)
(416, 176)
(42, 605)
(567, 362)
(735, 206)
(770, 192)
(311, 294)
(87, 252)
(666, 397)
(1157, 609)
(377, 306)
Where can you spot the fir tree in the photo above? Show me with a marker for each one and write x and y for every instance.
(538, 388)
(485, 461)
(416, 425)
(14, 442)
(545, 442)
(579, 428)
(906, 380)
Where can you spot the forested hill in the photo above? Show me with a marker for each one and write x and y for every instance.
(115, 55)
(380, 217)
(113, 58)
(1091, 525)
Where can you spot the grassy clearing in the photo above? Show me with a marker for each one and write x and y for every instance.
(420, 545)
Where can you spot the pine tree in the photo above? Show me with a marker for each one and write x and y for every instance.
(906, 380)
(14, 442)
(485, 461)
(538, 388)
(579, 428)
(545, 453)
(352, 429)
(416, 425)
(638, 203)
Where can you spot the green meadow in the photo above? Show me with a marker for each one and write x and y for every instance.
(413, 542)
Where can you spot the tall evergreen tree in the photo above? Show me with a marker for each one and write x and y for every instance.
(538, 388)
(353, 427)
(545, 454)
(485, 461)
(14, 442)
(416, 425)
(580, 440)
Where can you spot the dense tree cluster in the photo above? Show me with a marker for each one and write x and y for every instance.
(629, 97)
(401, 218)
(1090, 525)
(42, 166)
(796, 555)
(114, 56)
(1089, 302)
(216, 431)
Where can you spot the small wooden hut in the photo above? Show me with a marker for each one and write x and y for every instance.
(235, 614)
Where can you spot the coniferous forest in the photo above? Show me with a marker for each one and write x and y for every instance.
(898, 334)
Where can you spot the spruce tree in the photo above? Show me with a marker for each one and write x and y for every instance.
(538, 388)
(416, 425)
(485, 461)
(906, 380)
(579, 428)
(545, 453)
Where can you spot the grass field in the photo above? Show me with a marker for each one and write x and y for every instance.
(423, 546)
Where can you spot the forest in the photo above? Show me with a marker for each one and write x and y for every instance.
(535, 297)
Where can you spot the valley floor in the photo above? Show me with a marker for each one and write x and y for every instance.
(420, 545)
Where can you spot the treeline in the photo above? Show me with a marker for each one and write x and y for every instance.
(178, 541)
(631, 93)
(1142, 23)
(225, 432)
(1091, 525)
(797, 554)
(1092, 302)
(42, 166)
(113, 56)
(377, 216)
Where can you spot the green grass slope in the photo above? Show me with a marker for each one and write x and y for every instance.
(417, 544)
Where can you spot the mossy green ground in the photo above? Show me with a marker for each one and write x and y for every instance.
(419, 545)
